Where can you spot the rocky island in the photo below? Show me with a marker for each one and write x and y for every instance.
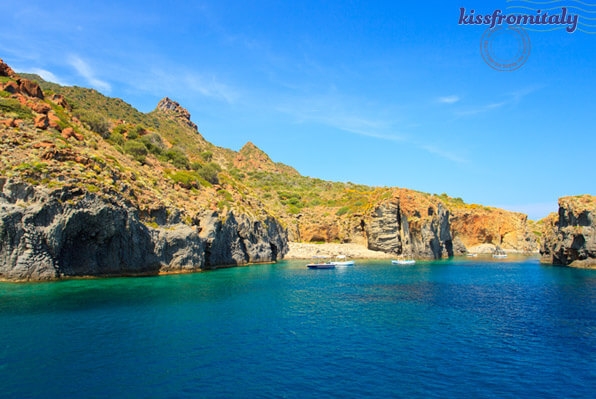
(89, 186)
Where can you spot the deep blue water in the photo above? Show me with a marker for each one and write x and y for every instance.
(458, 328)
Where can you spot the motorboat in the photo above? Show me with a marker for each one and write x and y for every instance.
(403, 261)
(342, 261)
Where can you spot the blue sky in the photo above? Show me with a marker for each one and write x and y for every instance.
(379, 93)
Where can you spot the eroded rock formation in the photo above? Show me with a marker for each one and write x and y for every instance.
(172, 107)
(395, 228)
(477, 226)
(569, 237)
(49, 234)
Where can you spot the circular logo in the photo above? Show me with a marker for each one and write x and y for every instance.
(505, 48)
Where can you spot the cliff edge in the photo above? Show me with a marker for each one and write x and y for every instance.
(569, 237)
(48, 234)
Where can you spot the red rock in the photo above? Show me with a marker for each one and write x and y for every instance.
(10, 87)
(10, 122)
(39, 107)
(30, 88)
(69, 132)
(54, 121)
(5, 70)
(41, 121)
(59, 99)
(44, 144)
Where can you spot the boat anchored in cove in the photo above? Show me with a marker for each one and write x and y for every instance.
(403, 261)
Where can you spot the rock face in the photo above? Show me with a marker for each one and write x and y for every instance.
(569, 238)
(478, 227)
(395, 229)
(241, 240)
(6, 70)
(46, 235)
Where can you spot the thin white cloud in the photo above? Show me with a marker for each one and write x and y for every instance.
(449, 99)
(187, 83)
(47, 76)
(210, 87)
(481, 109)
(335, 112)
(510, 99)
(443, 154)
(86, 72)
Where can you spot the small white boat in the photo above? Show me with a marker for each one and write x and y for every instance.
(344, 263)
(472, 254)
(403, 262)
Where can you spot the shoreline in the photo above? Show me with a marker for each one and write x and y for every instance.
(299, 250)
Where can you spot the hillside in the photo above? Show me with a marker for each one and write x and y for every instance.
(58, 137)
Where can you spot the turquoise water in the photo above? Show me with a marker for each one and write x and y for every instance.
(458, 328)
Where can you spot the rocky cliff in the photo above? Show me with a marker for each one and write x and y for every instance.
(479, 227)
(49, 234)
(405, 226)
(569, 237)
(92, 186)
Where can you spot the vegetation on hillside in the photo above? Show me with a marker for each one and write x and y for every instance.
(156, 161)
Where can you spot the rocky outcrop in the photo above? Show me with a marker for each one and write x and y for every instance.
(569, 237)
(173, 108)
(6, 70)
(69, 232)
(25, 86)
(398, 229)
(240, 240)
(479, 227)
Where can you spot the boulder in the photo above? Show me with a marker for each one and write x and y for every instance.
(30, 88)
(69, 132)
(10, 87)
(41, 121)
(39, 107)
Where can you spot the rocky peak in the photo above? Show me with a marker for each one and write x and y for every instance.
(171, 107)
(21, 85)
(5, 70)
(252, 158)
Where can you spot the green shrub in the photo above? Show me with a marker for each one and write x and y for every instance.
(342, 211)
(186, 179)
(96, 123)
(12, 106)
(116, 138)
(136, 149)
(210, 172)
(153, 142)
(176, 157)
(207, 156)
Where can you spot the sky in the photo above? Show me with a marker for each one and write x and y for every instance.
(383, 93)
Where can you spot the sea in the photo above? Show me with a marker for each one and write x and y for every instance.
(471, 327)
